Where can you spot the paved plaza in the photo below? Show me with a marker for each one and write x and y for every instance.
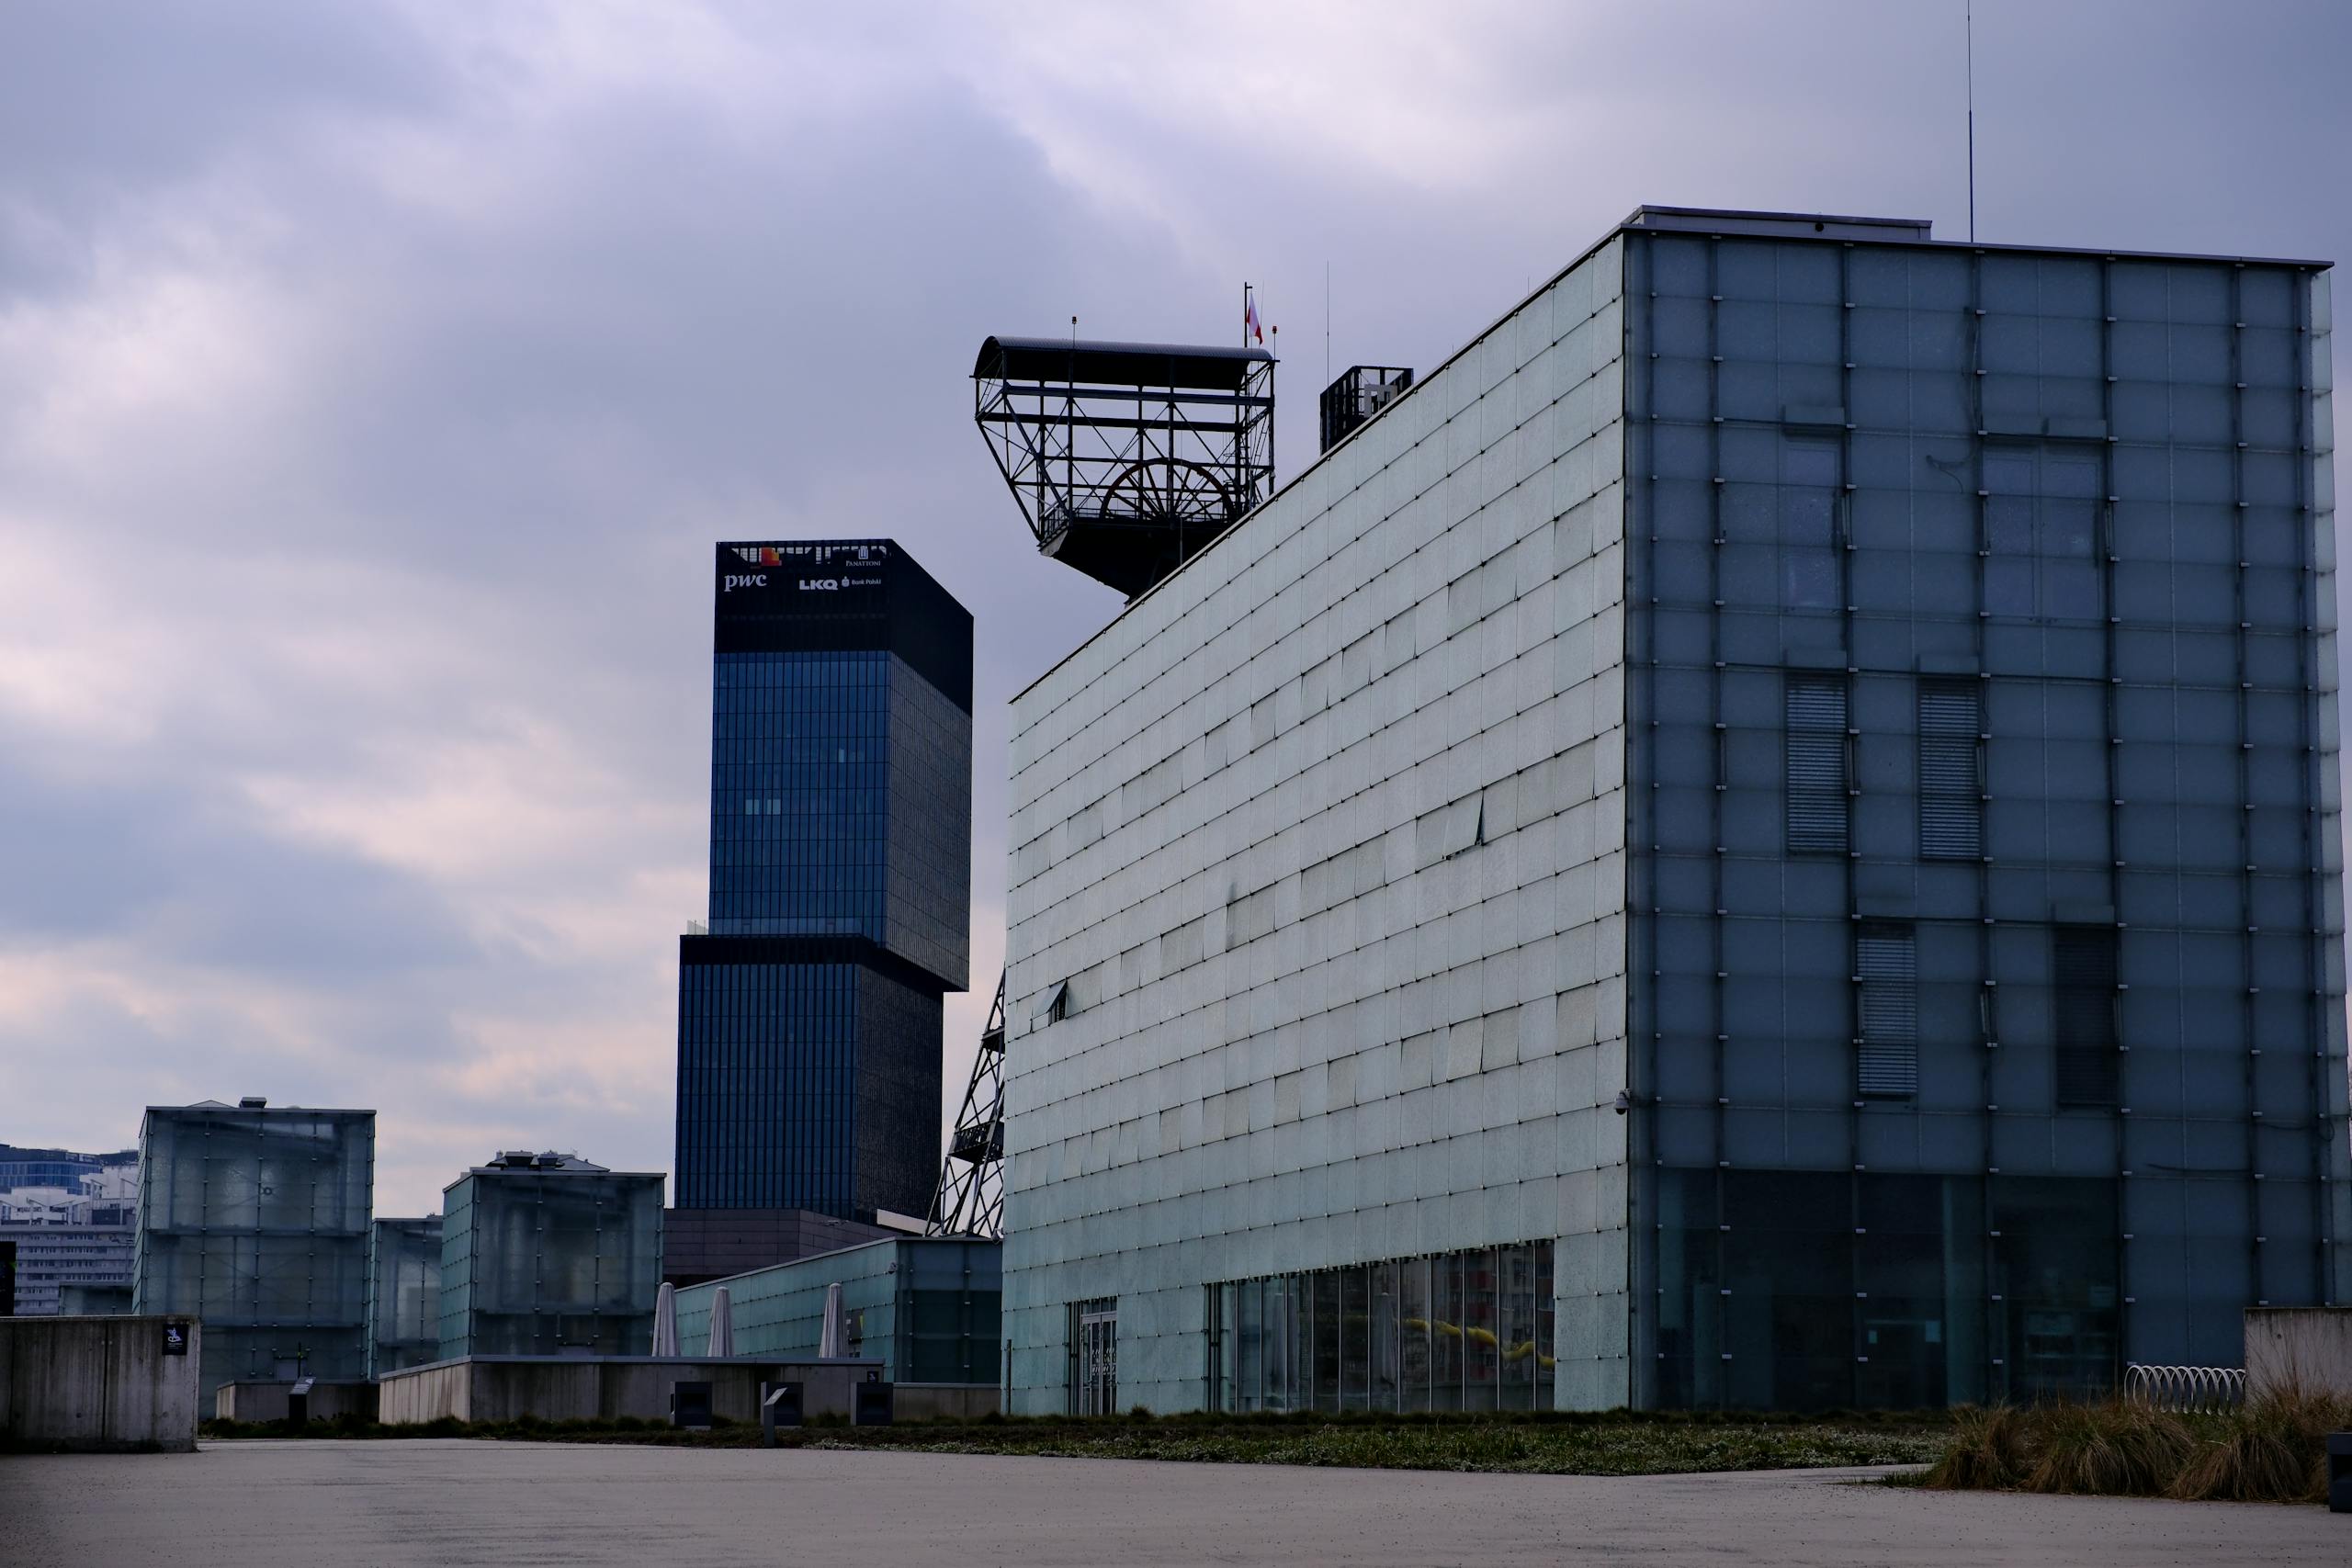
(256, 1504)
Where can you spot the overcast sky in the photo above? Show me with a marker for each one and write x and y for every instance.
(374, 379)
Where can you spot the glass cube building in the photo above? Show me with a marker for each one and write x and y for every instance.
(256, 1220)
(403, 1294)
(809, 1011)
(1767, 835)
(550, 1254)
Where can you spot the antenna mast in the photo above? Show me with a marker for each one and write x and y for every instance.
(1968, 14)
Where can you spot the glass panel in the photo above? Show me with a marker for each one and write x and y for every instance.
(1249, 1333)
(1413, 1312)
(1325, 1284)
(1386, 1350)
(1355, 1343)
(1480, 1319)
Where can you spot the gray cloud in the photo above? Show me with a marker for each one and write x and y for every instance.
(374, 378)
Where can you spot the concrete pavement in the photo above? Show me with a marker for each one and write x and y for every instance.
(260, 1504)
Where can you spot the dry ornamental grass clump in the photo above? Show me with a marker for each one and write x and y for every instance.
(2273, 1449)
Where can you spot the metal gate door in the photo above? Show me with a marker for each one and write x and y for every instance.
(1098, 1360)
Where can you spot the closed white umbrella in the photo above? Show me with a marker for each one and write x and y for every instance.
(828, 1343)
(665, 1320)
(722, 1324)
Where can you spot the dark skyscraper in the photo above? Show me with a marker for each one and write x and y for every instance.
(809, 1016)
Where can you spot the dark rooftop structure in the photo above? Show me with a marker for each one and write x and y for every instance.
(1126, 457)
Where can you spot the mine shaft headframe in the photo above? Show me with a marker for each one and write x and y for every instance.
(1127, 458)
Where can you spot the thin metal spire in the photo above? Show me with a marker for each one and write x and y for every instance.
(1968, 14)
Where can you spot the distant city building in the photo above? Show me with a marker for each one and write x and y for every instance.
(809, 1011)
(256, 1220)
(1767, 835)
(73, 1217)
(403, 1294)
(21, 1167)
(550, 1254)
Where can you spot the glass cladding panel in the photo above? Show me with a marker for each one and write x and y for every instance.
(1446, 1328)
(2042, 508)
(1810, 578)
(1886, 967)
(1355, 1338)
(1245, 1324)
(1386, 1330)
(1324, 1287)
(1414, 1312)
(1481, 1320)
(2083, 973)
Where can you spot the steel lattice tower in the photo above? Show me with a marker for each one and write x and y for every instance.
(970, 1200)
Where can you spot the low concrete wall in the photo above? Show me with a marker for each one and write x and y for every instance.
(2305, 1347)
(270, 1401)
(96, 1382)
(943, 1401)
(563, 1388)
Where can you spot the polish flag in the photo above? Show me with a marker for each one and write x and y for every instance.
(1250, 327)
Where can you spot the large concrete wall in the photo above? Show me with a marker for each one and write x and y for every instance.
(96, 1382)
(2306, 1350)
(1325, 836)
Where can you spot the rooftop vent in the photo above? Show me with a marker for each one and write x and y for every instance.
(519, 1159)
(254, 1103)
(1355, 397)
(1127, 459)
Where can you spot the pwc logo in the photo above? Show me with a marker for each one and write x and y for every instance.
(732, 583)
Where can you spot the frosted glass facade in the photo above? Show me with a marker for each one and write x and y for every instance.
(565, 1260)
(1800, 767)
(255, 1221)
(1987, 893)
(1325, 838)
(404, 1294)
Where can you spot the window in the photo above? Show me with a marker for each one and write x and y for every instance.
(2083, 978)
(1951, 798)
(1886, 985)
(2042, 534)
(1816, 763)
(1056, 1006)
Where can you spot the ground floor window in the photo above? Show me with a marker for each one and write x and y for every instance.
(1094, 1357)
(1787, 1290)
(1467, 1330)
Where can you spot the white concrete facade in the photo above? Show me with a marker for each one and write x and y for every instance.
(1325, 838)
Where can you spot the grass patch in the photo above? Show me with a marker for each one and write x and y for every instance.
(2273, 1449)
(1617, 1443)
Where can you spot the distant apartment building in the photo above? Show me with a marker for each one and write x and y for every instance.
(255, 1219)
(72, 1218)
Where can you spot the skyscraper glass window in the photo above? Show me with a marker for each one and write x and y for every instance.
(810, 1009)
